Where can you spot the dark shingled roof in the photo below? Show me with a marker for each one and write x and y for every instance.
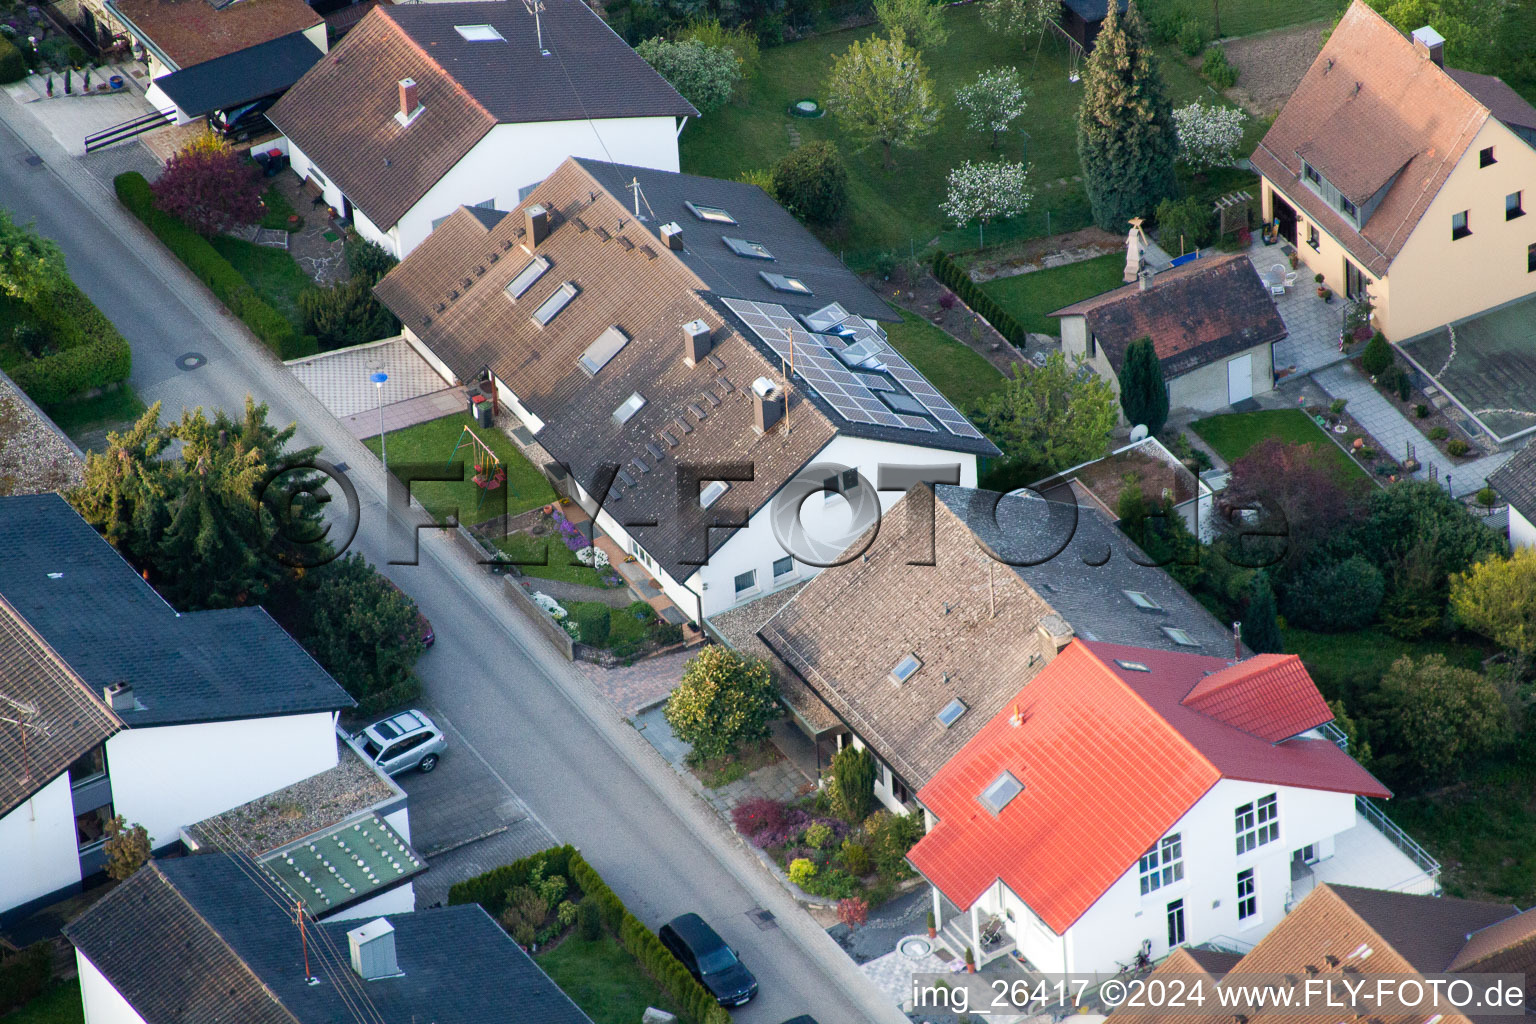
(341, 114)
(846, 630)
(240, 77)
(109, 625)
(193, 940)
(1516, 481)
(1495, 94)
(1196, 314)
(69, 720)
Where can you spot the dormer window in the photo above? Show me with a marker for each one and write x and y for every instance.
(713, 214)
(1002, 790)
(743, 247)
(905, 669)
(630, 406)
(712, 492)
(551, 307)
(781, 283)
(479, 33)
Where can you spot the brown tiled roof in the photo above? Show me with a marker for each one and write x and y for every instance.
(1195, 314)
(341, 114)
(1513, 935)
(847, 629)
(1368, 108)
(192, 31)
(67, 720)
(738, 627)
(1495, 94)
(626, 278)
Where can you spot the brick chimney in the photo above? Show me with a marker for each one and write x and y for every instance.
(538, 223)
(1430, 45)
(768, 405)
(410, 104)
(696, 341)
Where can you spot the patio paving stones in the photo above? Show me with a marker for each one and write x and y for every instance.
(340, 379)
(1312, 325)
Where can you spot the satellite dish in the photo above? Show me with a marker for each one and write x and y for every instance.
(1139, 433)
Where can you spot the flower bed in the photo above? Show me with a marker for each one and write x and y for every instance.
(826, 856)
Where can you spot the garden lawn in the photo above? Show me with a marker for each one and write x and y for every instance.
(1245, 17)
(562, 560)
(1232, 434)
(115, 410)
(1029, 297)
(897, 209)
(427, 447)
(272, 272)
(59, 1005)
(1346, 664)
(276, 209)
(960, 373)
(604, 980)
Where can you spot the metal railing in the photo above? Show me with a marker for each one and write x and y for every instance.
(1400, 839)
(1226, 944)
(1335, 734)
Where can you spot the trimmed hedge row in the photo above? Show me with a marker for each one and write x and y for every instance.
(24, 976)
(90, 351)
(205, 262)
(490, 891)
(13, 66)
(954, 277)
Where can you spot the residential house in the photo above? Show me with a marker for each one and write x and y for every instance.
(1515, 481)
(206, 938)
(1154, 471)
(428, 107)
(1214, 797)
(963, 597)
(120, 705)
(1211, 321)
(1370, 936)
(1401, 179)
(706, 356)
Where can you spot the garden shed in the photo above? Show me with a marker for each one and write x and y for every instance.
(1082, 19)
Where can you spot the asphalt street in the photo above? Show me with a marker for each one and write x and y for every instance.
(554, 748)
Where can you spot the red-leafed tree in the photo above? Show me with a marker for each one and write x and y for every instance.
(1297, 493)
(210, 187)
(853, 912)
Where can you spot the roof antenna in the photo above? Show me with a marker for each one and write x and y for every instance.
(22, 718)
(298, 919)
(535, 8)
(634, 186)
(1237, 640)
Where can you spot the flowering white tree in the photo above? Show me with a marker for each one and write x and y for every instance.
(1208, 135)
(981, 192)
(1022, 19)
(994, 101)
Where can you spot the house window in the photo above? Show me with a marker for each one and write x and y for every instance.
(1175, 923)
(841, 484)
(1349, 209)
(552, 306)
(1257, 823)
(632, 405)
(905, 669)
(1485, 157)
(1530, 258)
(1093, 345)
(746, 582)
(641, 554)
(601, 352)
(1459, 228)
(88, 766)
(91, 827)
(526, 277)
(1314, 237)
(783, 567)
(1247, 896)
(1513, 207)
(712, 492)
(1162, 865)
(713, 214)
(479, 33)
(743, 247)
(1180, 637)
(1142, 601)
(1311, 174)
(1354, 282)
(950, 713)
(781, 283)
(1002, 790)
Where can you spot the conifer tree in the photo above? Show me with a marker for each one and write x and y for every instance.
(1143, 395)
(1126, 139)
(1261, 630)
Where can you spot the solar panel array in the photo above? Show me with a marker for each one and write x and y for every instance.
(852, 395)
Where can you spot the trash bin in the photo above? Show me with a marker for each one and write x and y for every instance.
(483, 413)
(116, 81)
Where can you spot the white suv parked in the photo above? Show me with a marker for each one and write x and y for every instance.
(405, 741)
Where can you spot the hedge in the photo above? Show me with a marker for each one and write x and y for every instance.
(221, 277)
(90, 351)
(24, 976)
(954, 277)
(490, 889)
(13, 66)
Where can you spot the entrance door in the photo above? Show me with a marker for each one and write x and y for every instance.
(1354, 282)
(1285, 213)
(1239, 378)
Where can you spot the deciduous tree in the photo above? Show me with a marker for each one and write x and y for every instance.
(880, 91)
(811, 182)
(1497, 598)
(981, 193)
(723, 701)
(210, 187)
(1209, 134)
(31, 266)
(994, 101)
(1049, 418)
(1125, 133)
(126, 848)
(1437, 715)
(1143, 395)
(1021, 20)
(1295, 492)
(705, 75)
(922, 21)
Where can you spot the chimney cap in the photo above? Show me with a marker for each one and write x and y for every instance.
(764, 388)
(1428, 36)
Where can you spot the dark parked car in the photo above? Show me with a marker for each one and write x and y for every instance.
(709, 959)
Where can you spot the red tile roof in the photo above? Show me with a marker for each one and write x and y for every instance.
(1078, 723)
(1269, 695)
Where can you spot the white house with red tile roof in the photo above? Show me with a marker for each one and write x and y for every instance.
(1133, 799)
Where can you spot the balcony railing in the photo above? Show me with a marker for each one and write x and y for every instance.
(1402, 840)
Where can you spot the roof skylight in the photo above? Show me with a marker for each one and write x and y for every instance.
(1002, 790)
(1142, 601)
(630, 406)
(552, 306)
(598, 354)
(781, 283)
(526, 277)
(905, 669)
(712, 492)
(743, 247)
(479, 33)
(950, 713)
(714, 214)
(1131, 666)
(1180, 637)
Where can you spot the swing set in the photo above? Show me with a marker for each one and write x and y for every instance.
(489, 472)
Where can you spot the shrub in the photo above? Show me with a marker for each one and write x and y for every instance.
(833, 883)
(24, 977)
(589, 919)
(368, 260)
(853, 912)
(855, 858)
(89, 351)
(31, 339)
(1487, 496)
(758, 814)
(1421, 411)
(1187, 220)
(592, 621)
(853, 782)
(1191, 38)
(817, 836)
(1377, 355)
(1218, 69)
(1458, 447)
(812, 183)
(13, 66)
(954, 277)
(1404, 386)
(1337, 405)
(346, 314)
(491, 888)
(1438, 433)
(127, 848)
(801, 871)
(1334, 597)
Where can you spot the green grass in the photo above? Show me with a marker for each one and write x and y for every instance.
(562, 560)
(960, 373)
(1233, 434)
(59, 1005)
(428, 445)
(272, 272)
(1245, 17)
(624, 626)
(1029, 297)
(276, 210)
(115, 410)
(604, 980)
(1346, 664)
(897, 209)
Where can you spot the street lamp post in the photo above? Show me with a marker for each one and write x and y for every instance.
(379, 377)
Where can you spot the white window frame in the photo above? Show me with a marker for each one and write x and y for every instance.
(712, 492)
(1257, 823)
(1142, 600)
(1180, 636)
(787, 573)
(1161, 866)
(631, 405)
(1248, 896)
(751, 576)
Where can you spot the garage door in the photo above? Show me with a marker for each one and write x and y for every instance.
(1240, 378)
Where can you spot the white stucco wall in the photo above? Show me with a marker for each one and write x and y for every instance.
(38, 853)
(170, 776)
(1522, 534)
(102, 1003)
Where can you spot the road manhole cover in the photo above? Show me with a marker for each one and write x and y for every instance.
(32, 160)
(762, 918)
(191, 361)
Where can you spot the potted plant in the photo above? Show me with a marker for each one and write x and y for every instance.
(932, 931)
(1295, 261)
(970, 961)
(1322, 289)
